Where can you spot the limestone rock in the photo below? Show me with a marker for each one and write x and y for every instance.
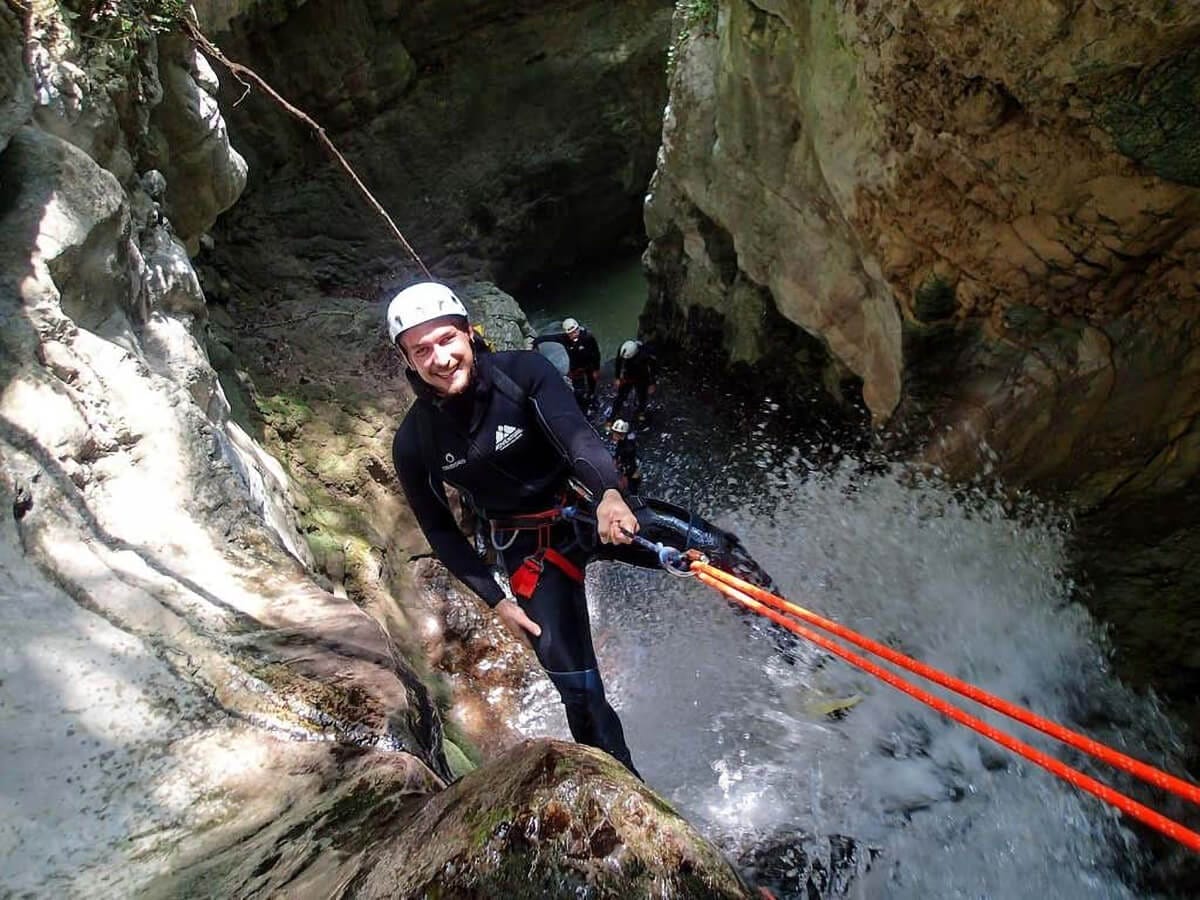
(72, 214)
(546, 819)
(16, 92)
(550, 819)
(898, 178)
(504, 322)
(170, 282)
(204, 173)
(168, 650)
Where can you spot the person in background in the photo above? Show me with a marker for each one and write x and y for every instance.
(636, 370)
(584, 354)
(625, 456)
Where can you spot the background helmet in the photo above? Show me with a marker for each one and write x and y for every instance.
(629, 349)
(570, 325)
(620, 427)
(420, 303)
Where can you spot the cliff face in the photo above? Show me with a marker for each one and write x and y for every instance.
(987, 213)
(164, 642)
(506, 138)
(193, 702)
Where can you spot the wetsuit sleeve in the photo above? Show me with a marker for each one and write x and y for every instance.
(560, 417)
(618, 366)
(426, 495)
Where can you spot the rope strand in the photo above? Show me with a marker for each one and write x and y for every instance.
(1072, 776)
(192, 29)
(1138, 769)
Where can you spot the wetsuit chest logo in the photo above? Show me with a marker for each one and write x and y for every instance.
(452, 463)
(506, 435)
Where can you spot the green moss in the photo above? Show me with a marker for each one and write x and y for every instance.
(286, 414)
(460, 763)
(696, 18)
(486, 822)
(330, 527)
(699, 15)
(1153, 119)
(322, 543)
(118, 28)
(833, 65)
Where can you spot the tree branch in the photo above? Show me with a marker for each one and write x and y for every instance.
(192, 29)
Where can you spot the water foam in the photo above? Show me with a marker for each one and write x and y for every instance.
(732, 727)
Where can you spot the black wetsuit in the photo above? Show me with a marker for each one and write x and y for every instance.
(509, 458)
(625, 456)
(637, 373)
(584, 356)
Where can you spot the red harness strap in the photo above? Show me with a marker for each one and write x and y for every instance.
(524, 580)
(569, 568)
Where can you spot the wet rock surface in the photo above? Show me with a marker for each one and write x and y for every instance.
(795, 866)
(549, 819)
(167, 653)
(965, 208)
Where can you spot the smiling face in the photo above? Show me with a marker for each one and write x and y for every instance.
(440, 351)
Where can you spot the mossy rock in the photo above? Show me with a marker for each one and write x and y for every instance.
(286, 414)
(460, 763)
(1154, 119)
(550, 819)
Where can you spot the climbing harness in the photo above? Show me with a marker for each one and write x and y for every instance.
(524, 580)
(542, 522)
(789, 616)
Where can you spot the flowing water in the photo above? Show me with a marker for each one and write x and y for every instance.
(744, 733)
(607, 300)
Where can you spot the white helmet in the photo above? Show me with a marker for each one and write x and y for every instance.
(629, 349)
(570, 325)
(620, 427)
(420, 303)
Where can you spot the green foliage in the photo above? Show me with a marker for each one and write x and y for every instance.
(122, 25)
(699, 17)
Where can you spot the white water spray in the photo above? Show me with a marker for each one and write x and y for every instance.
(735, 730)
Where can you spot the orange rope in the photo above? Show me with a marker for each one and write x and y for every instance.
(1135, 767)
(1072, 776)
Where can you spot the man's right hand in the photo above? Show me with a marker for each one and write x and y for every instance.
(518, 624)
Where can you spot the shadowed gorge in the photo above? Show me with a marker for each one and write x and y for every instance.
(921, 281)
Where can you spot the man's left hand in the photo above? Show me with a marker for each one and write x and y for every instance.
(614, 518)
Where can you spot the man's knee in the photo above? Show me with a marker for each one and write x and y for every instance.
(578, 688)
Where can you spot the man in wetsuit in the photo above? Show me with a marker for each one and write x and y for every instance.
(625, 456)
(584, 355)
(505, 431)
(636, 369)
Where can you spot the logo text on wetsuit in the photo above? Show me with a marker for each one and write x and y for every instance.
(506, 434)
(452, 463)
